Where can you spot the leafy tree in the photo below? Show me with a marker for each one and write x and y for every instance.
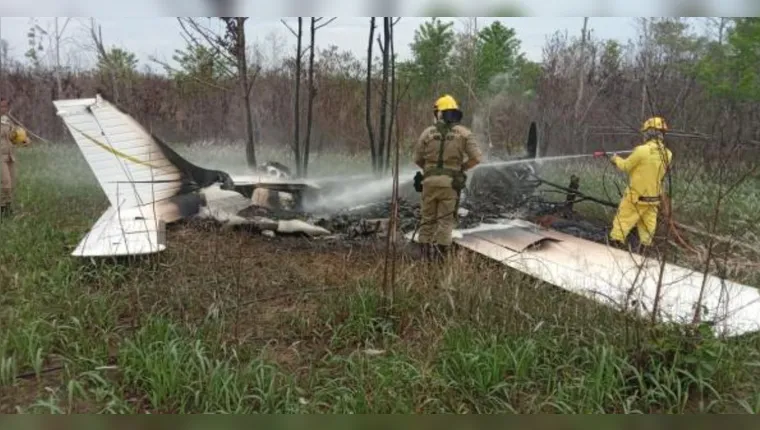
(464, 61)
(198, 64)
(490, 62)
(35, 36)
(431, 48)
(498, 53)
(231, 48)
(732, 70)
(676, 46)
(123, 64)
(610, 61)
(116, 66)
(528, 74)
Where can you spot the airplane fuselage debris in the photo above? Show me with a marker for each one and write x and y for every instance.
(149, 185)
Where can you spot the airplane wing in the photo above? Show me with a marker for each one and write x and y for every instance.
(272, 183)
(614, 277)
(120, 233)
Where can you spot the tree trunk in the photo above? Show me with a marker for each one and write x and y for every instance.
(581, 76)
(57, 60)
(311, 99)
(381, 143)
(297, 105)
(368, 95)
(389, 45)
(250, 147)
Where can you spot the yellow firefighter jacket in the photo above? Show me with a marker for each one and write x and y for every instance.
(646, 168)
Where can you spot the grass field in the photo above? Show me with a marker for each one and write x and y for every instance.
(229, 322)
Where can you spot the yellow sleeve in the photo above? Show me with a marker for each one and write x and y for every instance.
(627, 164)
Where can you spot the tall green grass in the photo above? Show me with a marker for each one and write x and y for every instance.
(163, 336)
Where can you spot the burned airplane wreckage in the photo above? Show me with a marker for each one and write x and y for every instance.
(149, 185)
(506, 188)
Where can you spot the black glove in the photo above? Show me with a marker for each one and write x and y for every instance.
(418, 182)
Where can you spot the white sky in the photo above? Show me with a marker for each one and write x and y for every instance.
(160, 36)
(134, 24)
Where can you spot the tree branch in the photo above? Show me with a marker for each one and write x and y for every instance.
(254, 76)
(289, 27)
(207, 35)
(193, 77)
(325, 24)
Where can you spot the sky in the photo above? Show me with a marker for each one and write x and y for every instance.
(138, 25)
(159, 37)
(274, 8)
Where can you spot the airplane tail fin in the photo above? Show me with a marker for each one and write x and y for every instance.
(144, 183)
(129, 165)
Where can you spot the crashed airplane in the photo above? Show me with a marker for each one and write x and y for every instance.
(149, 185)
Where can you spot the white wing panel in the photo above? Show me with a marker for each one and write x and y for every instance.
(119, 233)
(617, 278)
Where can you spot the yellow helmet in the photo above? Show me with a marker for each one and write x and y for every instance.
(445, 103)
(656, 123)
(18, 136)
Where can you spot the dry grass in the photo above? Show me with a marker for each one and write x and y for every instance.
(227, 321)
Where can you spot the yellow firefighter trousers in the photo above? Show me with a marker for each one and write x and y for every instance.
(438, 217)
(7, 178)
(643, 216)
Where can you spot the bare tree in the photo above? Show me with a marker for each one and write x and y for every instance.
(581, 69)
(381, 158)
(312, 90)
(368, 95)
(297, 101)
(57, 37)
(231, 49)
(394, 96)
(236, 44)
(385, 50)
(2, 57)
(96, 32)
(391, 252)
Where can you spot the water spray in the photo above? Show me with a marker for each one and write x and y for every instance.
(366, 189)
(596, 154)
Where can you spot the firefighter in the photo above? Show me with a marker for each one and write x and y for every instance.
(10, 136)
(440, 152)
(646, 167)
